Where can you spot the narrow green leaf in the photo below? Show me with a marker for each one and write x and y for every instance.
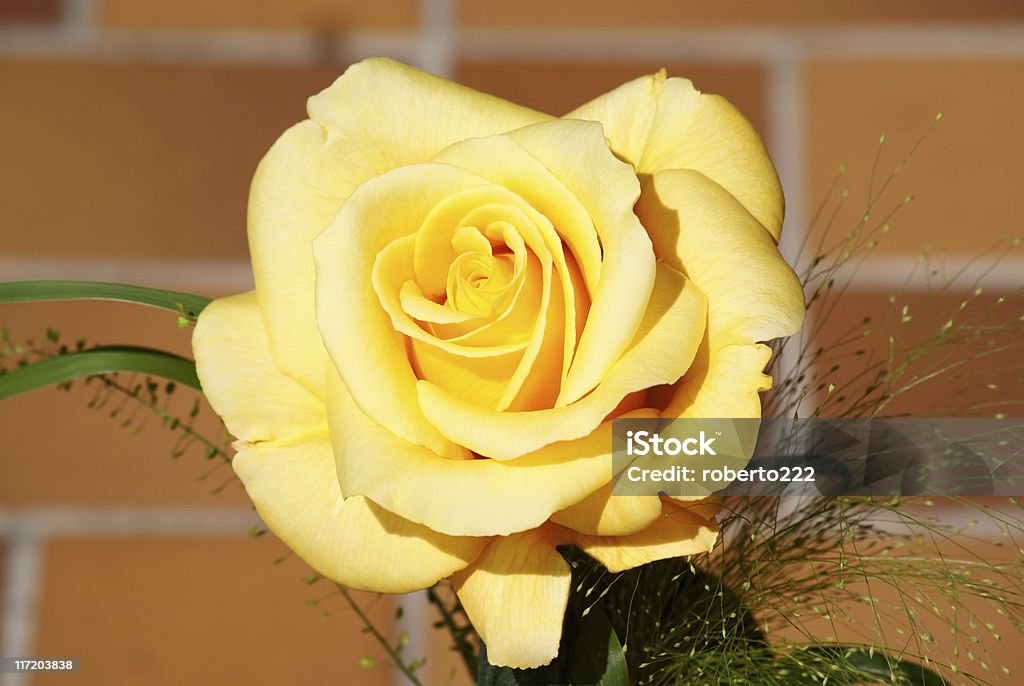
(597, 656)
(34, 291)
(101, 360)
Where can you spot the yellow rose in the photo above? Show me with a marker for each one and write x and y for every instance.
(455, 294)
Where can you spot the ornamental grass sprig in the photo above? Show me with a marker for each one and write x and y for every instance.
(130, 399)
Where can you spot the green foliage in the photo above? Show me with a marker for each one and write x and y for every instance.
(821, 591)
(102, 360)
(186, 305)
(131, 398)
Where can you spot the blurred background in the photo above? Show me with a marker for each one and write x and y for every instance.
(129, 132)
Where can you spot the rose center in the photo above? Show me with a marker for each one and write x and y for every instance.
(484, 277)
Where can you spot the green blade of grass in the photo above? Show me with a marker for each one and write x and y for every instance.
(35, 291)
(103, 360)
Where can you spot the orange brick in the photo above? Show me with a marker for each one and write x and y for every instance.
(310, 15)
(29, 11)
(712, 13)
(57, 450)
(199, 611)
(965, 177)
(963, 389)
(121, 159)
(560, 87)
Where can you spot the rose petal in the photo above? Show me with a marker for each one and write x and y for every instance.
(661, 352)
(360, 337)
(515, 594)
(678, 532)
(604, 514)
(502, 160)
(352, 541)
(392, 269)
(396, 114)
(287, 465)
(378, 115)
(660, 123)
(753, 295)
(498, 204)
(724, 383)
(491, 376)
(578, 155)
(256, 401)
(463, 497)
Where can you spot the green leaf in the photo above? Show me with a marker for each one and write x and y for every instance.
(877, 666)
(102, 360)
(35, 291)
(492, 675)
(597, 656)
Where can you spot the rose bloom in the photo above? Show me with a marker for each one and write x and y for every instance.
(454, 297)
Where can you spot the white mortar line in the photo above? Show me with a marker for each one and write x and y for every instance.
(945, 42)
(199, 276)
(234, 276)
(78, 18)
(620, 45)
(896, 273)
(436, 52)
(745, 45)
(205, 47)
(417, 620)
(784, 90)
(785, 140)
(905, 41)
(362, 44)
(20, 601)
(47, 522)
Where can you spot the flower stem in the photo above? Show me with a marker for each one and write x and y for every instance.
(464, 647)
(392, 653)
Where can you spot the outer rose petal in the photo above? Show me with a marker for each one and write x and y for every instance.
(515, 594)
(378, 115)
(665, 344)
(604, 514)
(463, 497)
(256, 401)
(659, 123)
(286, 462)
(352, 541)
(724, 383)
(677, 533)
(753, 295)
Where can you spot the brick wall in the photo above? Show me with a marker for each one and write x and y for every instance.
(130, 131)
